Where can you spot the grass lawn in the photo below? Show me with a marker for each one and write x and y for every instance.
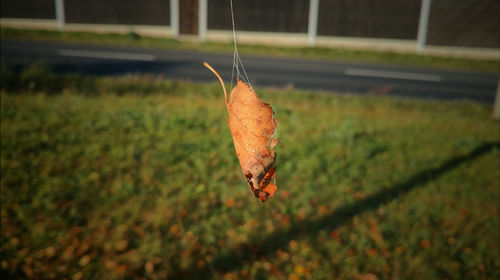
(129, 177)
(339, 54)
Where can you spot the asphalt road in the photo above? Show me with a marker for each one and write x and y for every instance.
(330, 76)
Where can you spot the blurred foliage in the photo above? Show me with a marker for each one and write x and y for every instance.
(135, 176)
(133, 36)
(338, 54)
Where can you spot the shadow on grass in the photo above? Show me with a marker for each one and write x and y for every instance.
(235, 258)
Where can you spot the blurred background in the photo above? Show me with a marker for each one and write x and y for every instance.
(116, 160)
(451, 23)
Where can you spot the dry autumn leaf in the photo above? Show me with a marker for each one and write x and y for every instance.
(252, 125)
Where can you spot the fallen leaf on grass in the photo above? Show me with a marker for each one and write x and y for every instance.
(252, 125)
(368, 276)
(425, 244)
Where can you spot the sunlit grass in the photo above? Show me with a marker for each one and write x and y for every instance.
(137, 177)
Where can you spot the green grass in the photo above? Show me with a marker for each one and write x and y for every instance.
(339, 54)
(129, 177)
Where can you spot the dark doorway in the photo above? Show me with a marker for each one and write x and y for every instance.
(188, 17)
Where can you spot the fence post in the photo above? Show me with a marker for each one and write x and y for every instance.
(313, 22)
(60, 14)
(202, 19)
(174, 17)
(422, 25)
(496, 106)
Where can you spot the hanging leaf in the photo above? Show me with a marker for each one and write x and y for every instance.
(252, 125)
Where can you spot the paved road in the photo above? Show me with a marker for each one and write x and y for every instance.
(307, 74)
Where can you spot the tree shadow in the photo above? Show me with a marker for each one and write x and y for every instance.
(236, 257)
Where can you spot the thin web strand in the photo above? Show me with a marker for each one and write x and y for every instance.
(235, 48)
(245, 76)
(237, 62)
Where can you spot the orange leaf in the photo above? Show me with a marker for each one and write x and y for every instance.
(252, 125)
